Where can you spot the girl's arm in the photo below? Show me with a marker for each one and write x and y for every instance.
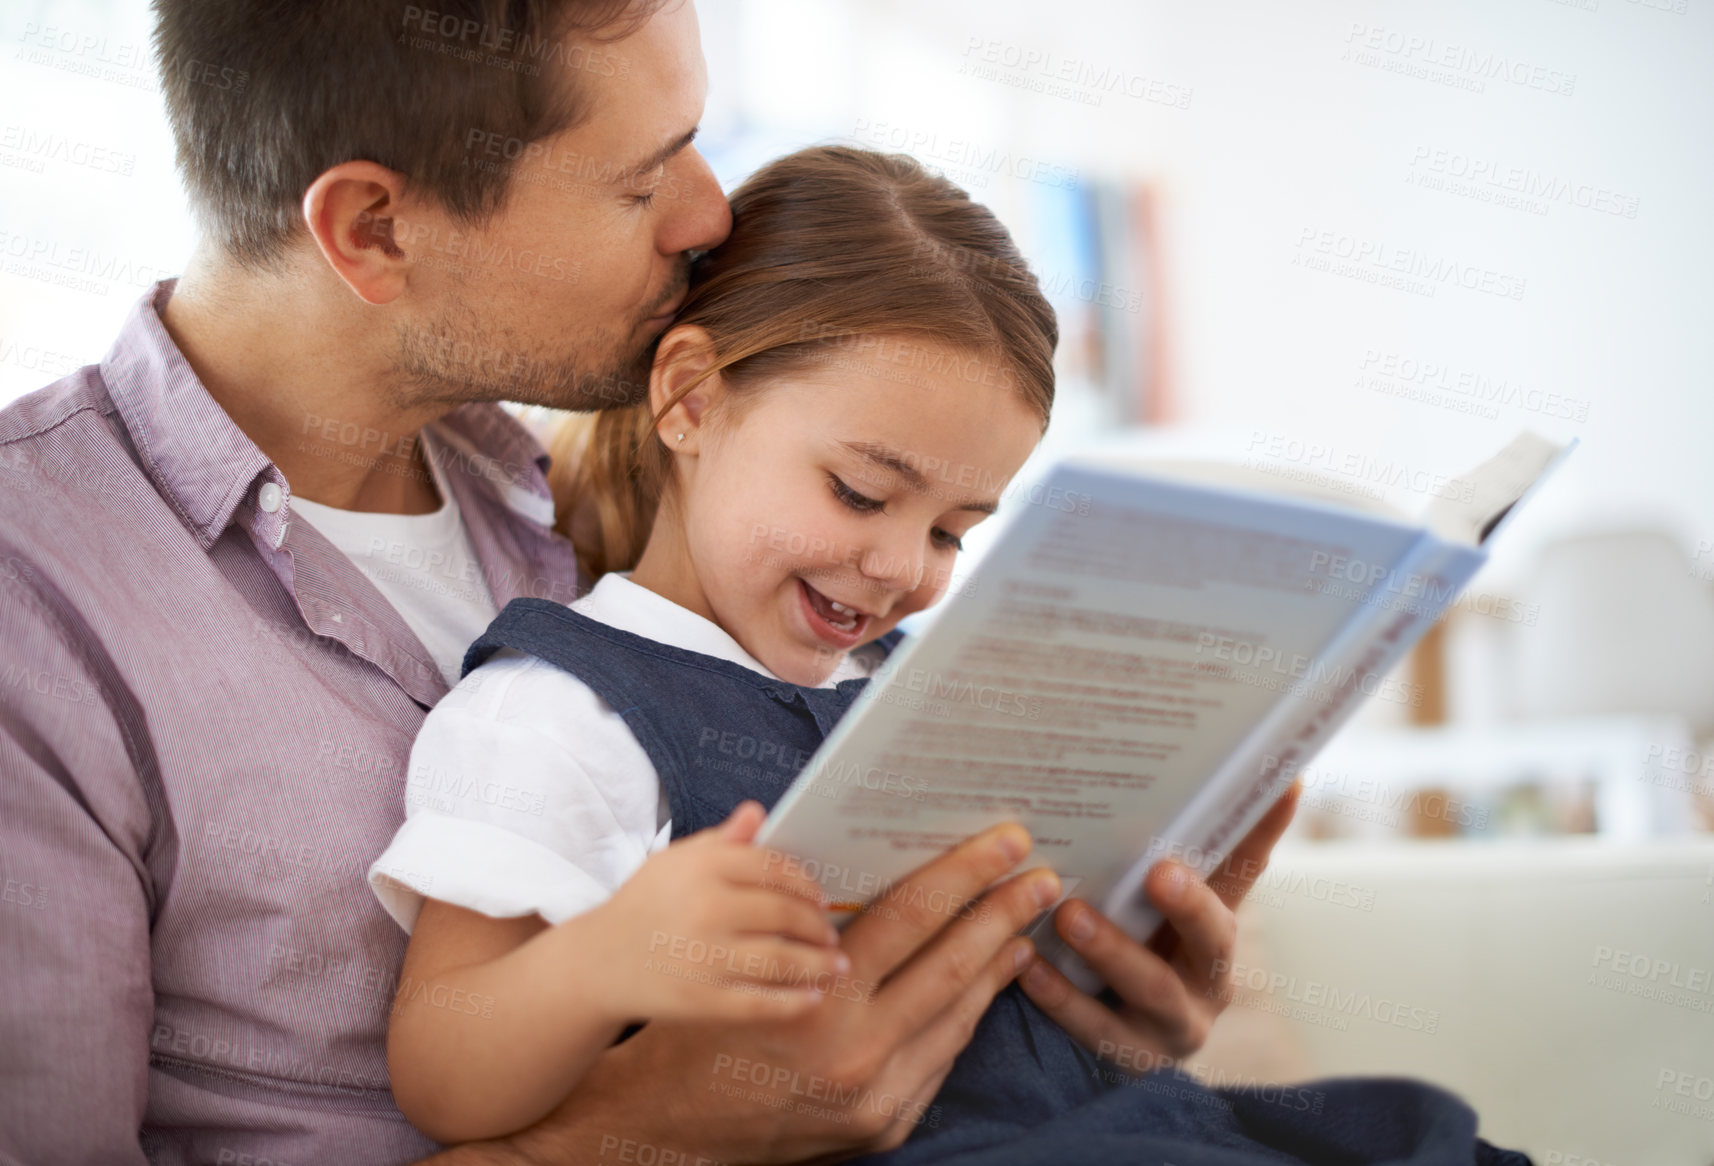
(496, 1020)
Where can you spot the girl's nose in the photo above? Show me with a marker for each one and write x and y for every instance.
(889, 567)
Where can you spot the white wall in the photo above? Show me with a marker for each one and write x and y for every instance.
(87, 189)
(1283, 135)
(1280, 135)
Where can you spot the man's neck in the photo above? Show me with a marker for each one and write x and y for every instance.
(300, 365)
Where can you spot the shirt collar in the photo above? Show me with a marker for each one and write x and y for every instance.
(199, 459)
(485, 442)
(631, 607)
(205, 465)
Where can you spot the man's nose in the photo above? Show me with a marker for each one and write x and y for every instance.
(700, 217)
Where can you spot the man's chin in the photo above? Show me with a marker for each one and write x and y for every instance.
(476, 364)
(589, 392)
(654, 326)
(579, 389)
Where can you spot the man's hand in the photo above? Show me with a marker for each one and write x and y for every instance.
(854, 1075)
(1170, 989)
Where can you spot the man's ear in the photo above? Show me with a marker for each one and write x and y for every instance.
(683, 355)
(351, 210)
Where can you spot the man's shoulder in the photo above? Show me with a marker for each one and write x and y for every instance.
(49, 407)
(72, 493)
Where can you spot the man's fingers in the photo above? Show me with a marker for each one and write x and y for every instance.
(1250, 857)
(1089, 1022)
(916, 910)
(1150, 986)
(937, 1040)
(964, 953)
(1204, 926)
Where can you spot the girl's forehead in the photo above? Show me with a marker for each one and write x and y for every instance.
(947, 425)
(892, 367)
(905, 393)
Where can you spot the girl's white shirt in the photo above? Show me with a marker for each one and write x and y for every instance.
(526, 793)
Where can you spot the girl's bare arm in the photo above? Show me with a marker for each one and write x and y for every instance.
(496, 1020)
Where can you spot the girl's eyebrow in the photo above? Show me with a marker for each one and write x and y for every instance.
(889, 458)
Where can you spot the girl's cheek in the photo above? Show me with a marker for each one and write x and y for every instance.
(933, 588)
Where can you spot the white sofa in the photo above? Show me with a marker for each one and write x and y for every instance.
(1517, 974)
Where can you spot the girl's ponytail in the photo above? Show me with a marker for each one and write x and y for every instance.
(605, 487)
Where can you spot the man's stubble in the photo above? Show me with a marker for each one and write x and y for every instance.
(459, 357)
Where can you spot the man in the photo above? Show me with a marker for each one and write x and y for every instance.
(239, 560)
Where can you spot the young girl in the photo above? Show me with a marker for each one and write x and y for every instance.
(855, 376)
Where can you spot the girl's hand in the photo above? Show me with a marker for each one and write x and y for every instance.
(713, 928)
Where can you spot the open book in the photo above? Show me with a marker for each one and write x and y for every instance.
(1136, 671)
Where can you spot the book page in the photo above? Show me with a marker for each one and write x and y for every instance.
(1112, 650)
(1236, 476)
(1496, 486)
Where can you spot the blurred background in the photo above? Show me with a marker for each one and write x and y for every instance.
(1357, 239)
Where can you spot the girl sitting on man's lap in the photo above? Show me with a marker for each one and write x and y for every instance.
(854, 378)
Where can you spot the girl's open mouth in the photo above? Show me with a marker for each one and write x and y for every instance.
(837, 623)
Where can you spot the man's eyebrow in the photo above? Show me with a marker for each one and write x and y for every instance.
(662, 154)
(889, 458)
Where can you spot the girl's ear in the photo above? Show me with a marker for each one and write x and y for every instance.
(683, 358)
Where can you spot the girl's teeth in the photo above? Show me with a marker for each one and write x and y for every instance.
(844, 617)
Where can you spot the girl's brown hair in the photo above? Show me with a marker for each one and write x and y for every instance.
(829, 246)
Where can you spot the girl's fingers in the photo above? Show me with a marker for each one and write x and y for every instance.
(764, 912)
(778, 962)
(742, 823)
(740, 827)
(761, 1003)
(769, 869)
(728, 998)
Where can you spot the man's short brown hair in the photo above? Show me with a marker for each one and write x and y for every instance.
(265, 95)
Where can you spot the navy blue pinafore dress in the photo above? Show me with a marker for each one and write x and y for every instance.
(1022, 1091)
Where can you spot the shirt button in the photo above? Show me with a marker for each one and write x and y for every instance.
(269, 497)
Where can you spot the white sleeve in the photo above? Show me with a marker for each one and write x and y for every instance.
(526, 794)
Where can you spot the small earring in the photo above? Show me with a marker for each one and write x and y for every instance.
(681, 437)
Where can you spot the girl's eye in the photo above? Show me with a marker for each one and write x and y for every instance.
(858, 502)
(863, 504)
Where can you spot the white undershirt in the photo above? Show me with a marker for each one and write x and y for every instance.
(424, 564)
(527, 794)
